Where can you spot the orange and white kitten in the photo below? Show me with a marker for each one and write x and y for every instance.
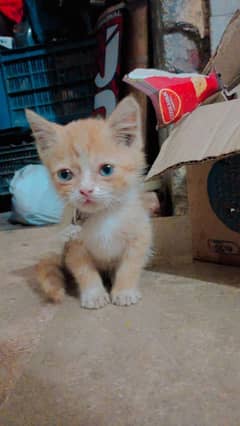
(97, 166)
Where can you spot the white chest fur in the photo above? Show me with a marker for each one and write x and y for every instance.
(104, 235)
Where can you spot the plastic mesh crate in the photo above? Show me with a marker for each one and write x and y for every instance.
(12, 158)
(56, 81)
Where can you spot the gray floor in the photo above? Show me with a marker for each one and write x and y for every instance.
(172, 360)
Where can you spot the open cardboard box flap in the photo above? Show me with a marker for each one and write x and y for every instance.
(211, 131)
(226, 58)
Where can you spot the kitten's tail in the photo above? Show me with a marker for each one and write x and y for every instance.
(50, 278)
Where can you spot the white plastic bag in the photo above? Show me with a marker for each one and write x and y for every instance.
(34, 198)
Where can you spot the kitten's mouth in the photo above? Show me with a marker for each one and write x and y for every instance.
(87, 201)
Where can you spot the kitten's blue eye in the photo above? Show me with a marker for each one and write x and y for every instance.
(106, 170)
(65, 175)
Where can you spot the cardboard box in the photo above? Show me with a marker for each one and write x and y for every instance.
(213, 235)
(226, 59)
(210, 133)
(172, 241)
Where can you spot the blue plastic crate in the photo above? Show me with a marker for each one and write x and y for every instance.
(56, 81)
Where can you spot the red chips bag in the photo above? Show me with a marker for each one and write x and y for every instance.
(173, 95)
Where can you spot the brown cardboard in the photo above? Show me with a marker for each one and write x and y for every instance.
(212, 240)
(172, 243)
(226, 59)
(211, 131)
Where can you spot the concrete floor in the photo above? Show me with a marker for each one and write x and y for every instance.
(172, 360)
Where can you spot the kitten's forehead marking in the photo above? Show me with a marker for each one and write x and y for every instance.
(75, 149)
(86, 137)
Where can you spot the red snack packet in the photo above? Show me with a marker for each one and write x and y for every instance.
(173, 95)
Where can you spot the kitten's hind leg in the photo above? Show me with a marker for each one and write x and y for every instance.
(92, 292)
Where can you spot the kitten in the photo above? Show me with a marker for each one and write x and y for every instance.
(97, 166)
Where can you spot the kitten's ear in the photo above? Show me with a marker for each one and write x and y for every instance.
(44, 132)
(125, 122)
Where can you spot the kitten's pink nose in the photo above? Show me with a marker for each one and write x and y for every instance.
(86, 192)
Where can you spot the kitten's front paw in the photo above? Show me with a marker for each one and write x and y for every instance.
(125, 297)
(94, 298)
